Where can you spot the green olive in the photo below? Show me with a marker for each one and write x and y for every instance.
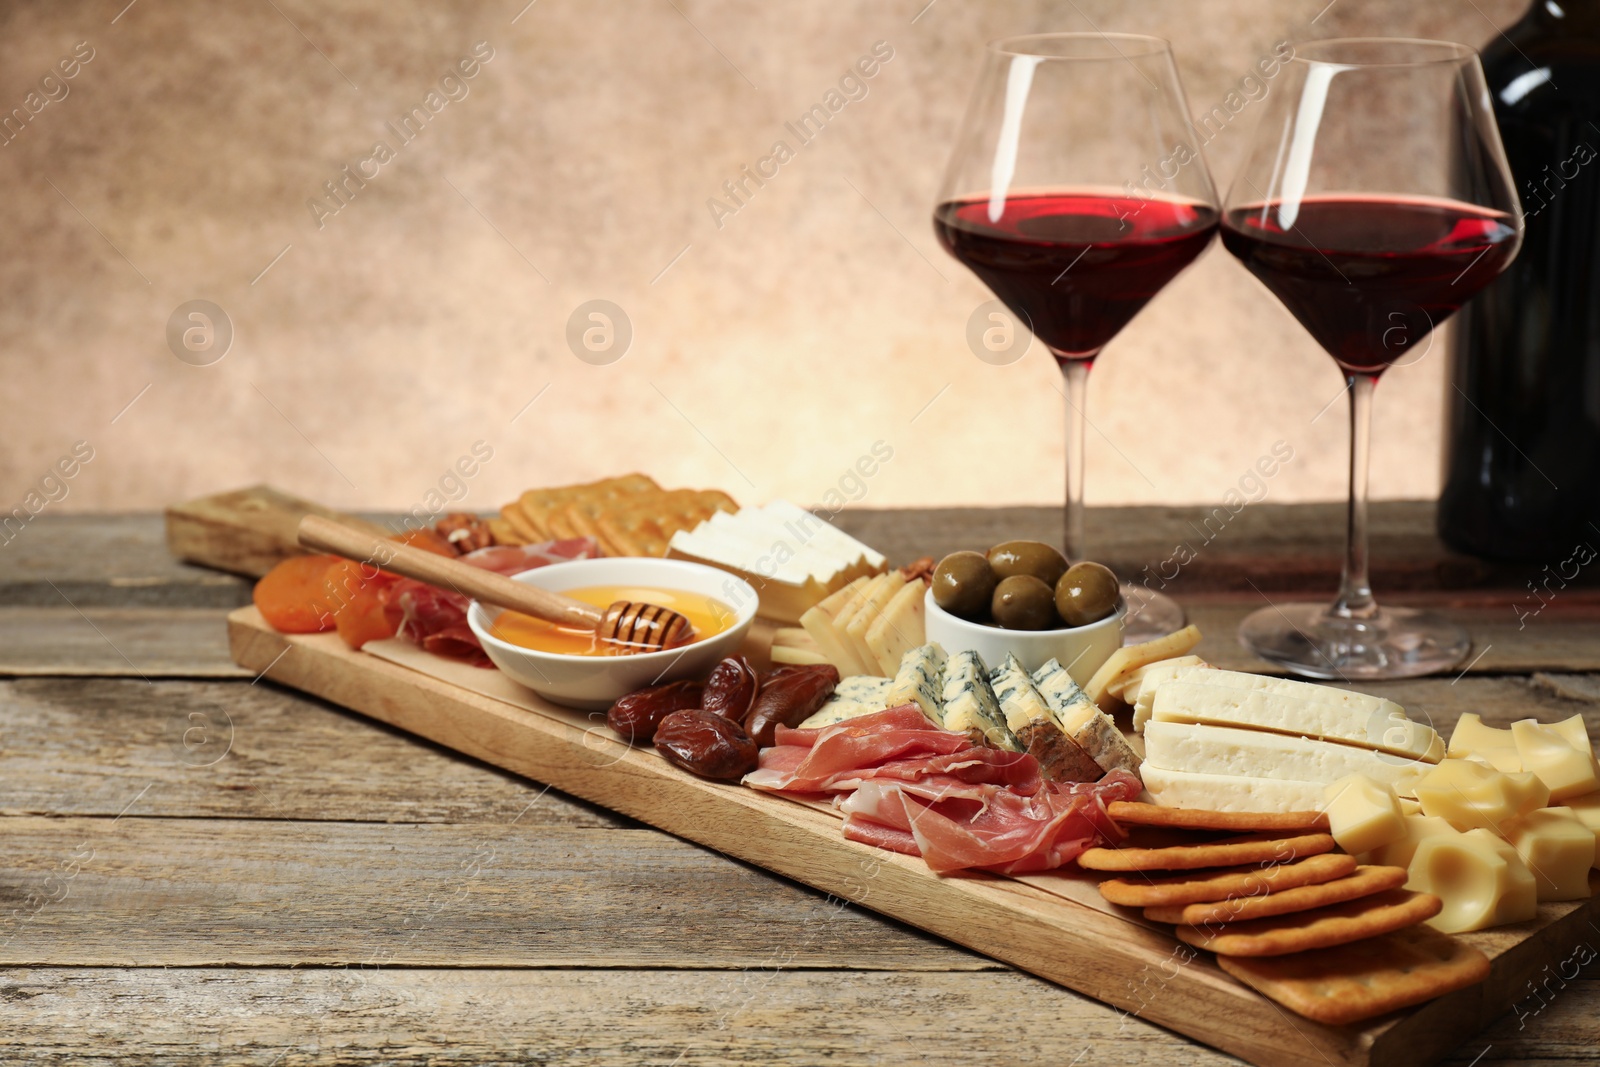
(963, 583)
(1028, 557)
(1023, 602)
(1086, 593)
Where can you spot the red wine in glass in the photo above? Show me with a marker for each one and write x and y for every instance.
(1076, 266)
(1370, 276)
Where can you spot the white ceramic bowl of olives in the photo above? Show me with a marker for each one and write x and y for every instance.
(1022, 598)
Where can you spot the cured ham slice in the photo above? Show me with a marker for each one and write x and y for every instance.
(436, 619)
(913, 788)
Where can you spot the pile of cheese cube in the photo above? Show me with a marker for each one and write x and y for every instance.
(1509, 819)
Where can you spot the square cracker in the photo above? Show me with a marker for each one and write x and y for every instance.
(1325, 927)
(1229, 852)
(1136, 813)
(1349, 983)
(1206, 886)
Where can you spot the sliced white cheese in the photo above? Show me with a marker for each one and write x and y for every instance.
(899, 628)
(1092, 729)
(1226, 792)
(1151, 678)
(970, 704)
(852, 698)
(1283, 707)
(1262, 754)
(919, 680)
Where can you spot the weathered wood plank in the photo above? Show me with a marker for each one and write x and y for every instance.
(234, 750)
(141, 642)
(137, 891)
(144, 1017)
(107, 561)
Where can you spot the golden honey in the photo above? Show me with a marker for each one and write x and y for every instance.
(707, 615)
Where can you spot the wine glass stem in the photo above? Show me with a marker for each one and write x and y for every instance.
(1076, 372)
(1355, 590)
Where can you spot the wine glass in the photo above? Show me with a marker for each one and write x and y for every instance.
(1076, 190)
(1375, 202)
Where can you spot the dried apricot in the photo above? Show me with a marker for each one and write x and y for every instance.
(294, 596)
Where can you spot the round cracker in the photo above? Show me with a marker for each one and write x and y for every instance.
(1207, 886)
(1138, 813)
(1337, 924)
(1363, 882)
(1228, 852)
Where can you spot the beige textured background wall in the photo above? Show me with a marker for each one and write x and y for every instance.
(372, 350)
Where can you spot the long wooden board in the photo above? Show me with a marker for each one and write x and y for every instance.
(1112, 958)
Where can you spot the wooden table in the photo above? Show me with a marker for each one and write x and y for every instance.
(199, 868)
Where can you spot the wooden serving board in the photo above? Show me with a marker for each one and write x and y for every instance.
(1109, 954)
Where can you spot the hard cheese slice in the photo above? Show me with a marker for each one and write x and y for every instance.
(1229, 792)
(1262, 754)
(819, 623)
(970, 704)
(1131, 657)
(1287, 707)
(899, 628)
(919, 681)
(1089, 727)
(1036, 727)
(852, 698)
(854, 627)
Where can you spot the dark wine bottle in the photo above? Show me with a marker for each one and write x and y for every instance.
(1522, 433)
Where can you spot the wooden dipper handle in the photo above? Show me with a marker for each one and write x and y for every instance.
(327, 535)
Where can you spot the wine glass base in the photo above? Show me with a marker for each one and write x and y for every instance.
(1150, 615)
(1307, 639)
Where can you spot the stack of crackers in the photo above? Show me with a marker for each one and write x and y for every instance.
(1287, 915)
(628, 516)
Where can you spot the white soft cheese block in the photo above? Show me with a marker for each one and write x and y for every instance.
(1301, 711)
(1262, 754)
(1227, 792)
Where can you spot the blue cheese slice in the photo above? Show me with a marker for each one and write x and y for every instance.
(920, 681)
(852, 698)
(1081, 720)
(970, 705)
(1036, 728)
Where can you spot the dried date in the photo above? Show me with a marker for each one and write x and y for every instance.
(788, 698)
(638, 715)
(731, 689)
(707, 744)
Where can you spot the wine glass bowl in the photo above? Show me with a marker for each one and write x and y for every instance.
(1376, 200)
(1076, 216)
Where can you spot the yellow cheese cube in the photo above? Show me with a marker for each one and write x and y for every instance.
(1410, 807)
(1587, 811)
(1560, 755)
(1480, 879)
(1363, 814)
(1558, 848)
(1471, 739)
(1470, 795)
(1417, 829)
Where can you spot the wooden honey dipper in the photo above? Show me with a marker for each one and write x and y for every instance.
(627, 626)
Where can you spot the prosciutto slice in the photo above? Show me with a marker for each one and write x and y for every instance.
(436, 619)
(908, 786)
